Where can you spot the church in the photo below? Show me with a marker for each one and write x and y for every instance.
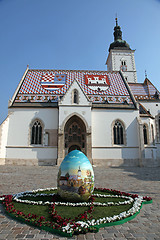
(108, 115)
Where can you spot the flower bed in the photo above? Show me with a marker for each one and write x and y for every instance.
(126, 206)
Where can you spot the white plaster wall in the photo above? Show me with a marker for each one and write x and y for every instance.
(31, 153)
(102, 137)
(115, 153)
(3, 138)
(127, 56)
(153, 107)
(20, 120)
(102, 120)
(66, 111)
(109, 63)
(150, 153)
(18, 144)
(114, 63)
(68, 97)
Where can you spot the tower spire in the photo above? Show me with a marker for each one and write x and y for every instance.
(117, 32)
(118, 42)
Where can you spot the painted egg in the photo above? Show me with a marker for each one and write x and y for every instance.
(75, 181)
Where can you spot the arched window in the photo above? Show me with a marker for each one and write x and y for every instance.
(123, 62)
(36, 134)
(145, 134)
(75, 96)
(118, 133)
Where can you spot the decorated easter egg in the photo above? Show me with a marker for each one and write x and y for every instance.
(75, 181)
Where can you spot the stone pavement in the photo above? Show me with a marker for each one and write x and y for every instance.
(143, 181)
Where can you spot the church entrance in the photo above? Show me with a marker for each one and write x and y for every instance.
(75, 135)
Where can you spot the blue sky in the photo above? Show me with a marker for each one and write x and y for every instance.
(73, 34)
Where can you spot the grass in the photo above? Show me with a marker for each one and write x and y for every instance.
(33, 209)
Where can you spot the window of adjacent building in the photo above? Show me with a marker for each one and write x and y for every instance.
(145, 134)
(36, 135)
(118, 131)
(75, 96)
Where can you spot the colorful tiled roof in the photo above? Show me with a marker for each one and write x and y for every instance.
(50, 85)
(144, 91)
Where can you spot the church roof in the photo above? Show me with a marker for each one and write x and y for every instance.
(145, 91)
(50, 85)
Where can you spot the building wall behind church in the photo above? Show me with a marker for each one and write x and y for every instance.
(19, 147)
(152, 107)
(3, 140)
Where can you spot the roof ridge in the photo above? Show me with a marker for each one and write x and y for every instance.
(70, 70)
(18, 87)
(148, 81)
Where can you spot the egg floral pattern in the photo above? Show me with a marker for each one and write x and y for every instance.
(75, 181)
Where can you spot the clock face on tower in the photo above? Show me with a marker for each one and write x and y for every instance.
(124, 68)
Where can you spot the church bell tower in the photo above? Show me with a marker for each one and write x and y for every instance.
(121, 57)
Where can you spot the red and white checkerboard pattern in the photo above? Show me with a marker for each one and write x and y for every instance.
(31, 86)
(143, 91)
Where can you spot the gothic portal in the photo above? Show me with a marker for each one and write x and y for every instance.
(75, 135)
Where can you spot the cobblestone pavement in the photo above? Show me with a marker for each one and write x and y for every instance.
(143, 181)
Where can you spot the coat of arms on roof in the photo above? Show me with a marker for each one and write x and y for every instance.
(97, 82)
(52, 81)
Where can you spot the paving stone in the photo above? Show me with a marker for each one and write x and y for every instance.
(107, 235)
(128, 235)
(141, 238)
(3, 236)
(20, 236)
(144, 181)
(108, 238)
(89, 236)
(30, 236)
(81, 237)
(119, 235)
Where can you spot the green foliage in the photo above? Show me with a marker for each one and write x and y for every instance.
(100, 212)
(33, 209)
(70, 212)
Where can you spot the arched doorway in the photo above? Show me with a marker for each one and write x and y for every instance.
(75, 135)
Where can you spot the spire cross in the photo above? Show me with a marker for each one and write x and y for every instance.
(145, 74)
(116, 20)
